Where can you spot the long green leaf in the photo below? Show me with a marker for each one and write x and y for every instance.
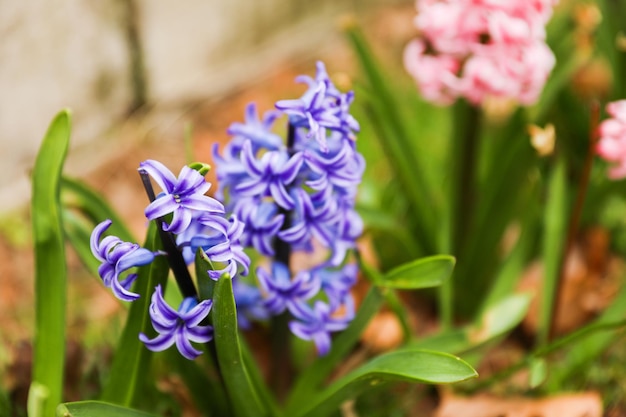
(83, 198)
(97, 409)
(243, 396)
(426, 272)
(78, 234)
(204, 385)
(50, 266)
(417, 366)
(499, 319)
(132, 359)
(397, 142)
(555, 224)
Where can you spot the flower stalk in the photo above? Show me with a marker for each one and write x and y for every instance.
(174, 255)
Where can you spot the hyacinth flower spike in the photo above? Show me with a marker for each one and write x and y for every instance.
(256, 130)
(270, 175)
(262, 224)
(117, 257)
(281, 291)
(318, 322)
(181, 196)
(223, 247)
(178, 327)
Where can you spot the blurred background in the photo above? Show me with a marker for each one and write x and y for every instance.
(110, 59)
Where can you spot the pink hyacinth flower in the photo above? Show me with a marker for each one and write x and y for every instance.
(612, 143)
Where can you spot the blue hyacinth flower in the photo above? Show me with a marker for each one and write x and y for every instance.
(178, 327)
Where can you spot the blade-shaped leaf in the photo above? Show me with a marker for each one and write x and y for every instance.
(50, 266)
(418, 366)
(499, 319)
(203, 384)
(78, 234)
(82, 197)
(396, 140)
(241, 392)
(496, 321)
(131, 363)
(97, 409)
(426, 272)
(555, 224)
(538, 372)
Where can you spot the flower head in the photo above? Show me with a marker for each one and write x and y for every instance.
(280, 291)
(480, 48)
(178, 327)
(318, 322)
(117, 257)
(223, 247)
(321, 107)
(612, 143)
(181, 196)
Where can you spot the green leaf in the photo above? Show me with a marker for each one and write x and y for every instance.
(499, 319)
(417, 366)
(38, 396)
(397, 141)
(426, 272)
(205, 388)
(538, 372)
(83, 198)
(243, 396)
(555, 230)
(97, 409)
(496, 321)
(131, 363)
(78, 234)
(50, 265)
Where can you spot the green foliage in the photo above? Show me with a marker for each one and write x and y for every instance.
(97, 409)
(243, 396)
(131, 363)
(404, 365)
(50, 267)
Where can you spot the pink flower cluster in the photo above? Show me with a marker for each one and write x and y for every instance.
(612, 143)
(480, 48)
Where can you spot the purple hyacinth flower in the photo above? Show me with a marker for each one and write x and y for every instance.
(259, 132)
(337, 283)
(281, 291)
(269, 175)
(118, 257)
(181, 196)
(318, 322)
(223, 247)
(350, 227)
(262, 224)
(314, 216)
(178, 327)
(312, 111)
(321, 107)
(341, 169)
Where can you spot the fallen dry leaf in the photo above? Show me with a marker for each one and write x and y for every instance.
(587, 404)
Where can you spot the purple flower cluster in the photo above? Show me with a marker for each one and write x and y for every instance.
(196, 222)
(296, 194)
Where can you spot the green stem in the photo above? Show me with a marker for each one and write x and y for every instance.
(463, 153)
